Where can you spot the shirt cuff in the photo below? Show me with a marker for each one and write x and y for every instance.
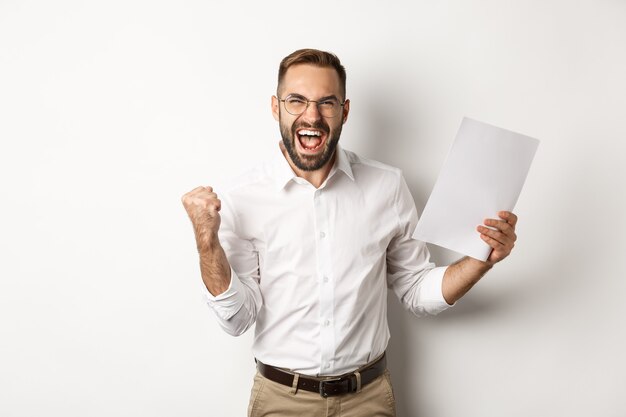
(432, 291)
(228, 303)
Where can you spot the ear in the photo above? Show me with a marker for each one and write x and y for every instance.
(275, 110)
(346, 110)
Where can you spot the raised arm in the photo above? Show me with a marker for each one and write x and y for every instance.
(203, 206)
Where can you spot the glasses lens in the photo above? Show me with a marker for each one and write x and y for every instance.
(295, 105)
(329, 108)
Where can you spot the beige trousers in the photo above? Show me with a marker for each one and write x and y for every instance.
(271, 399)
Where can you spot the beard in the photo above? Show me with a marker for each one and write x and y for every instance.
(309, 162)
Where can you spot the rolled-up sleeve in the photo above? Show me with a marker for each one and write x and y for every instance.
(236, 308)
(415, 280)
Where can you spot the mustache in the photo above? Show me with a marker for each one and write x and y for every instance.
(320, 125)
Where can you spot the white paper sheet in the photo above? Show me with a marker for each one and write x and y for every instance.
(483, 174)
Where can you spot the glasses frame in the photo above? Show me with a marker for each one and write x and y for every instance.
(317, 103)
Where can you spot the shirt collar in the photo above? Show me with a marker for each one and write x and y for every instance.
(283, 172)
(343, 163)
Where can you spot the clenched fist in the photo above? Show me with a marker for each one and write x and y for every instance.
(203, 206)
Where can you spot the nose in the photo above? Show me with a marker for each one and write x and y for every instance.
(312, 113)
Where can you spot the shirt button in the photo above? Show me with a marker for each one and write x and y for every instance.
(327, 366)
(327, 322)
(325, 279)
(322, 235)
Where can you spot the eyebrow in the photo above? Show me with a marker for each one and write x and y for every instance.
(328, 97)
(319, 99)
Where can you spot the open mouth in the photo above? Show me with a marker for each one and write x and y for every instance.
(311, 140)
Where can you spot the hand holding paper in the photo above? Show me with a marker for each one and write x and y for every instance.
(502, 239)
(483, 175)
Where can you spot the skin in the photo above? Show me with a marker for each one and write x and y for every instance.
(313, 83)
(203, 206)
(461, 276)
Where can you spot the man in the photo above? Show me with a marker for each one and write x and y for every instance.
(307, 245)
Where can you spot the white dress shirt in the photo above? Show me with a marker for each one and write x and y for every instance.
(312, 266)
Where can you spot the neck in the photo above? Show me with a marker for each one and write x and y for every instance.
(317, 177)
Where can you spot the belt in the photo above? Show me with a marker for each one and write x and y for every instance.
(330, 386)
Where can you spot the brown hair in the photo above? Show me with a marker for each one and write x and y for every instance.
(313, 57)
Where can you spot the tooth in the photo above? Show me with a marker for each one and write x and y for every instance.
(309, 132)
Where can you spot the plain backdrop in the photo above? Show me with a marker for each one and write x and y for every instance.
(111, 111)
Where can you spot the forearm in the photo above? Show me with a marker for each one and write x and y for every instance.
(214, 266)
(461, 276)
(239, 298)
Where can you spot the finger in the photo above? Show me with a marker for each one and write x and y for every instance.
(502, 226)
(496, 235)
(196, 190)
(495, 244)
(208, 188)
(214, 207)
(509, 217)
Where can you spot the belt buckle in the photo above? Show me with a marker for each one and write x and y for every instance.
(323, 384)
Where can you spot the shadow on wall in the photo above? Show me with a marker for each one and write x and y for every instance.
(391, 134)
(388, 129)
(391, 123)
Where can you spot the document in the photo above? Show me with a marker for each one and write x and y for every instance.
(483, 174)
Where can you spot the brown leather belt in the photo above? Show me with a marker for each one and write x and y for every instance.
(330, 386)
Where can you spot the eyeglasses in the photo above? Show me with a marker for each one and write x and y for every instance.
(296, 105)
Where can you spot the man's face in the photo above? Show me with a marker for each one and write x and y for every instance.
(310, 138)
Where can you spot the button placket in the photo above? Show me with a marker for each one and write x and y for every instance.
(326, 292)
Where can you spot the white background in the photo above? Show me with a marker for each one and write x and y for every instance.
(110, 111)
